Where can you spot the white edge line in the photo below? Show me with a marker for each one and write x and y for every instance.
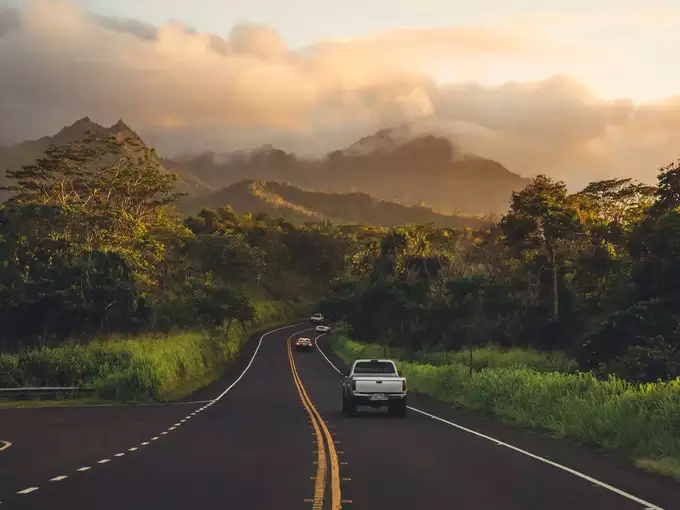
(648, 505)
(259, 344)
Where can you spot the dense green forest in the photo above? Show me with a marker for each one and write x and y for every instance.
(591, 274)
(92, 246)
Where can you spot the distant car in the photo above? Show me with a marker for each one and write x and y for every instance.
(375, 383)
(303, 344)
(316, 318)
(323, 329)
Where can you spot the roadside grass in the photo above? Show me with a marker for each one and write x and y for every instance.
(491, 356)
(641, 422)
(144, 368)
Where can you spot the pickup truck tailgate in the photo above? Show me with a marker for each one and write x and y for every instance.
(378, 384)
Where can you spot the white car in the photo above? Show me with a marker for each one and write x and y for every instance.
(317, 317)
(323, 329)
(375, 383)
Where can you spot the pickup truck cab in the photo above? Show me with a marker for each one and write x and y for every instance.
(375, 383)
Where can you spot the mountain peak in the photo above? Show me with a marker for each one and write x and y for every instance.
(120, 126)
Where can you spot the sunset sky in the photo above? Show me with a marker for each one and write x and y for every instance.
(619, 47)
(577, 89)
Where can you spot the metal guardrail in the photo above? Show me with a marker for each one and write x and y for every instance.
(36, 393)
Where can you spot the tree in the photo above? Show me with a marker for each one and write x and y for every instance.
(542, 218)
(112, 195)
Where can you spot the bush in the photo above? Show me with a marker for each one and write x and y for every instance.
(143, 367)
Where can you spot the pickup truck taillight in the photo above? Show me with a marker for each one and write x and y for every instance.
(403, 385)
(354, 385)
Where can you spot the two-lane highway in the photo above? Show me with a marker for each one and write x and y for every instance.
(273, 436)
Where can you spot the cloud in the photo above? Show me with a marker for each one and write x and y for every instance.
(188, 90)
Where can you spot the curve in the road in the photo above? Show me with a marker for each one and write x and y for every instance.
(6, 444)
(647, 505)
(315, 416)
(320, 482)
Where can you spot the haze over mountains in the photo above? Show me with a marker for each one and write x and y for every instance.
(353, 184)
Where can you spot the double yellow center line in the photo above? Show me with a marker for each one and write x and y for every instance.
(321, 431)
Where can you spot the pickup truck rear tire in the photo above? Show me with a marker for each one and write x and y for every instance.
(349, 407)
(397, 408)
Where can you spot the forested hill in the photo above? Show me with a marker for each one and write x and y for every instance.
(299, 206)
(392, 164)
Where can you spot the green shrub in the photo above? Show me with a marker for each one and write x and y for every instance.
(143, 367)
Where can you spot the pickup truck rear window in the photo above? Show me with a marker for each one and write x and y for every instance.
(374, 367)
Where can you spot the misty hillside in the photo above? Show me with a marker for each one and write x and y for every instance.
(392, 164)
(26, 153)
(298, 206)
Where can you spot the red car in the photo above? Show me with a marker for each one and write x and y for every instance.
(303, 344)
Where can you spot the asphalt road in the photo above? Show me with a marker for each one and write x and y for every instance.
(257, 447)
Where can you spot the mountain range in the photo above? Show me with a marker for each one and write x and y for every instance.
(382, 179)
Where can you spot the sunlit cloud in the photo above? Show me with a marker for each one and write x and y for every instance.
(189, 90)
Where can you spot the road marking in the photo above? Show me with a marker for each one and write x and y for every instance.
(154, 438)
(259, 344)
(164, 433)
(647, 504)
(320, 479)
(4, 445)
(58, 478)
(119, 455)
(144, 443)
(103, 461)
(84, 468)
(28, 491)
(133, 449)
(172, 428)
(336, 492)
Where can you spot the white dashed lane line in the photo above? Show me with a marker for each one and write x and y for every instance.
(6, 444)
(28, 491)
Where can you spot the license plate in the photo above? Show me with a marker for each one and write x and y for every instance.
(379, 396)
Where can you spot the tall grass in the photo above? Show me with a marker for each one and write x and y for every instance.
(140, 368)
(482, 357)
(640, 421)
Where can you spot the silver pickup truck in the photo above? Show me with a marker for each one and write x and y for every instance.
(375, 383)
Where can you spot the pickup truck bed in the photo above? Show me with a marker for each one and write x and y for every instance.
(374, 383)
